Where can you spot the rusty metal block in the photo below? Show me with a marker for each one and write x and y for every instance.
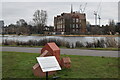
(38, 71)
(66, 62)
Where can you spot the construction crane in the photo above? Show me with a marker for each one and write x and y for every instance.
(82, 10)
(97, 15)
(99, 19)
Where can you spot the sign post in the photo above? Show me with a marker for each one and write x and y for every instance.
(46, 75)
(48, 64)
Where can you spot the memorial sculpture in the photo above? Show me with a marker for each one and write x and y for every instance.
(51, 49)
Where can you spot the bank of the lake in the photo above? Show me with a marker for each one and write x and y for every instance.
(62, 41)
(68, 35)
(62, 47)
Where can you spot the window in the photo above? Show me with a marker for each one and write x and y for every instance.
(80, 25)
(77, 20)
(63, 20)
(80, 21)
(73, 19)
(73, 30)
(63, 26)
(77, 26)
(73, 25)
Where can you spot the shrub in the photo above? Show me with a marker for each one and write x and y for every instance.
(68, 45)
(111, 42)
(79, 44)
(89, 45)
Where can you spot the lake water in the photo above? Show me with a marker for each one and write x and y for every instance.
(69, 39)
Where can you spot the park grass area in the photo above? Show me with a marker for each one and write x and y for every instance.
(19, 65)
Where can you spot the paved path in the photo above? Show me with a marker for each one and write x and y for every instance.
(66, 51)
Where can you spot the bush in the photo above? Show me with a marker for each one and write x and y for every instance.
(111, 42)
(68, 45)
(79, 44)
(108, 42)
(89, 45)
(99, 43)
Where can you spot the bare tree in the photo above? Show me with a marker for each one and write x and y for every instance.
(111, 26)
(22, 27)
(40, 20)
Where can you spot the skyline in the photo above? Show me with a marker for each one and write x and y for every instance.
(25, 10)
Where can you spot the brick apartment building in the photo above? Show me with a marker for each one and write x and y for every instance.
(70, 23)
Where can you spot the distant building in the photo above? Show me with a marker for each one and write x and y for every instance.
(1, 26)
(1, 23)
(70, 23)
(118, 24)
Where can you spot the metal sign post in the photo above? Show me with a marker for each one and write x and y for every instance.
(46, 75)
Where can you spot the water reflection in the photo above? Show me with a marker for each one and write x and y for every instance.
(69, 39)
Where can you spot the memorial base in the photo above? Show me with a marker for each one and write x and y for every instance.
(39, 73)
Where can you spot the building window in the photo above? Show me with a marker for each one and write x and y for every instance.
(77, 26)
(73, 26)
(73, 19)
(63, 25)
(73, 30)
(77, 20)
(80, 25)
(76, 30)
(63, 20)
(80, 21)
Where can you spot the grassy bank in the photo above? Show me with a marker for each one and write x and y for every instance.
(106, 49)
(19, 65)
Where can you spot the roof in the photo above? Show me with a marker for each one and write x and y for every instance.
(35, 66)
(74, 14)
(53, 46)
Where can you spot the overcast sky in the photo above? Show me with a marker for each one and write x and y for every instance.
(13, 11)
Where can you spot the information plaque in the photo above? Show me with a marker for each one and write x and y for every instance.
(48, 63)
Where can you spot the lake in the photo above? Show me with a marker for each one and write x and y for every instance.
(64, 38)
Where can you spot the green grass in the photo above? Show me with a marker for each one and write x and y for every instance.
(19, 65)
(0, 65)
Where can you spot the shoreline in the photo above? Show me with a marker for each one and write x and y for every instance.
(87, 35)
(68, 35)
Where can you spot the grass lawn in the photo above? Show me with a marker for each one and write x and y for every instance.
(19, 65)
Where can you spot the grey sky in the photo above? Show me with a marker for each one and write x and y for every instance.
(59, 0)
(119, 11)
(13, 11)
